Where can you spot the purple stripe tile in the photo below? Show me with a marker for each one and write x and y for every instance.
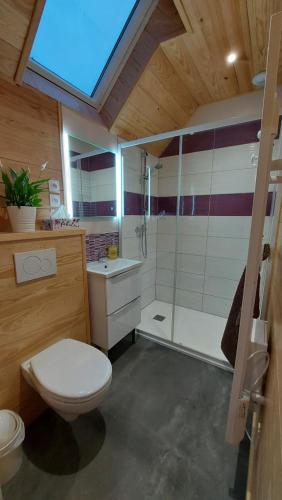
(167, 205)
(195, 205)
(94, 208)
(97, 244)
(217, 204)
(133, 203)
(235, 204)
(231, 204)
(98, 162)
(154, 202)
(233, 135)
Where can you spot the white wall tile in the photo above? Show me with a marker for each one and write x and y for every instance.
(167, 225)
(168, 186)
(220, 287)
(150, 263)
(234, 227)
(232, 248)
(165, 260)
(216, 305)
(196, 226)
(152, 241)
(188, 281)
(224, 267)
(164, 293)
(170, 167)
(234, 181)
(165, 277)
(191, 263)
(196, 184)
(131, 180)
(107, 192)
(166, 242)
(131, 157)
(148, 295)
(235, 157)
(101, 177)
(191, 244)
(129, 225)
(152, 223)
(131, 248)
(201, 161)
(185, 298)
(148, 279)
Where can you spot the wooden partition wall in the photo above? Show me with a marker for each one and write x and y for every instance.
(38, 313)
(265, 470)
(29, 136)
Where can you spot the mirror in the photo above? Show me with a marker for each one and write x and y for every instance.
(93, 180)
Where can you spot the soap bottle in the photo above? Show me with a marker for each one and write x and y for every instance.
(112, 251)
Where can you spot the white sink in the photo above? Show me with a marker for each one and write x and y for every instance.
(109, 268)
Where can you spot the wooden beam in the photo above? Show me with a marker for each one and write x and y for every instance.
(183, 15)
(29, 39)
(165, 23)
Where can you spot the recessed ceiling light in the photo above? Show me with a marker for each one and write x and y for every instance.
(231, 58)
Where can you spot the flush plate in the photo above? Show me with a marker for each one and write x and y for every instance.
(35, 264)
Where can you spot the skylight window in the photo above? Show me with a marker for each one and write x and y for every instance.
(77, 39)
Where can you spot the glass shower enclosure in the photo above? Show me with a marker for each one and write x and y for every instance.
(186, 214)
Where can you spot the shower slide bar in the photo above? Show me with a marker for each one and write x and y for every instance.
(240, 397)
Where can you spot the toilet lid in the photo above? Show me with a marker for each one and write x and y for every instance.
(71, 369)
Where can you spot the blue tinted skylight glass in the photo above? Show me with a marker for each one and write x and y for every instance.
(76, 38)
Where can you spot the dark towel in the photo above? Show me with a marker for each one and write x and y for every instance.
(230, 337)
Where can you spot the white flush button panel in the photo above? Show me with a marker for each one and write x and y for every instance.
(36, 264)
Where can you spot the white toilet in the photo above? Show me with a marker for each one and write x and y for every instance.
(72, 377)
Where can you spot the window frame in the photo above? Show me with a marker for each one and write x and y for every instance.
(128, 39)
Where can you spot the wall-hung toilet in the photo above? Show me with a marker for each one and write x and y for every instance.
(71, 377)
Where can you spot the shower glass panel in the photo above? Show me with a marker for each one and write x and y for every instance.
(141, 172)
(187, 215)
(217, 182)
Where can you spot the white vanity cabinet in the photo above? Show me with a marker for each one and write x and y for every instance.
(114, 297)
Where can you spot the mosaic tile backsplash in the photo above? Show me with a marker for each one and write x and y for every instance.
(97, 244)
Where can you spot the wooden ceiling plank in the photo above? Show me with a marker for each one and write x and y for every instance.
(176, 52)
(164, 23)
(9, 57)
(209, 46)
(243, 74)
(14, 21)
(144, 102)
(29, 39)
(259, 13)
(164, 71)
(183, 15)
(164, 97)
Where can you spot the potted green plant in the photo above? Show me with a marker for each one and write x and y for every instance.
(22, 197)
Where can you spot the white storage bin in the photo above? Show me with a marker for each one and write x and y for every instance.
(12, 434)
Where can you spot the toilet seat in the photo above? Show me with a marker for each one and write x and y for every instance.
(71, 372)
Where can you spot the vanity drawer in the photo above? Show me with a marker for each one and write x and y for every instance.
(122, 289)
(121, 322)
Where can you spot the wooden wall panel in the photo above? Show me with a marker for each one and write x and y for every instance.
(36, 314)
(29, 136)
(265, 471)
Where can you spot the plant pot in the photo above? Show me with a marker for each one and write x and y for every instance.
(22, 219)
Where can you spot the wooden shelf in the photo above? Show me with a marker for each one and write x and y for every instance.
(39, 235)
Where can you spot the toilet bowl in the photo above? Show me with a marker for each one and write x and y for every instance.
(71, 377)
